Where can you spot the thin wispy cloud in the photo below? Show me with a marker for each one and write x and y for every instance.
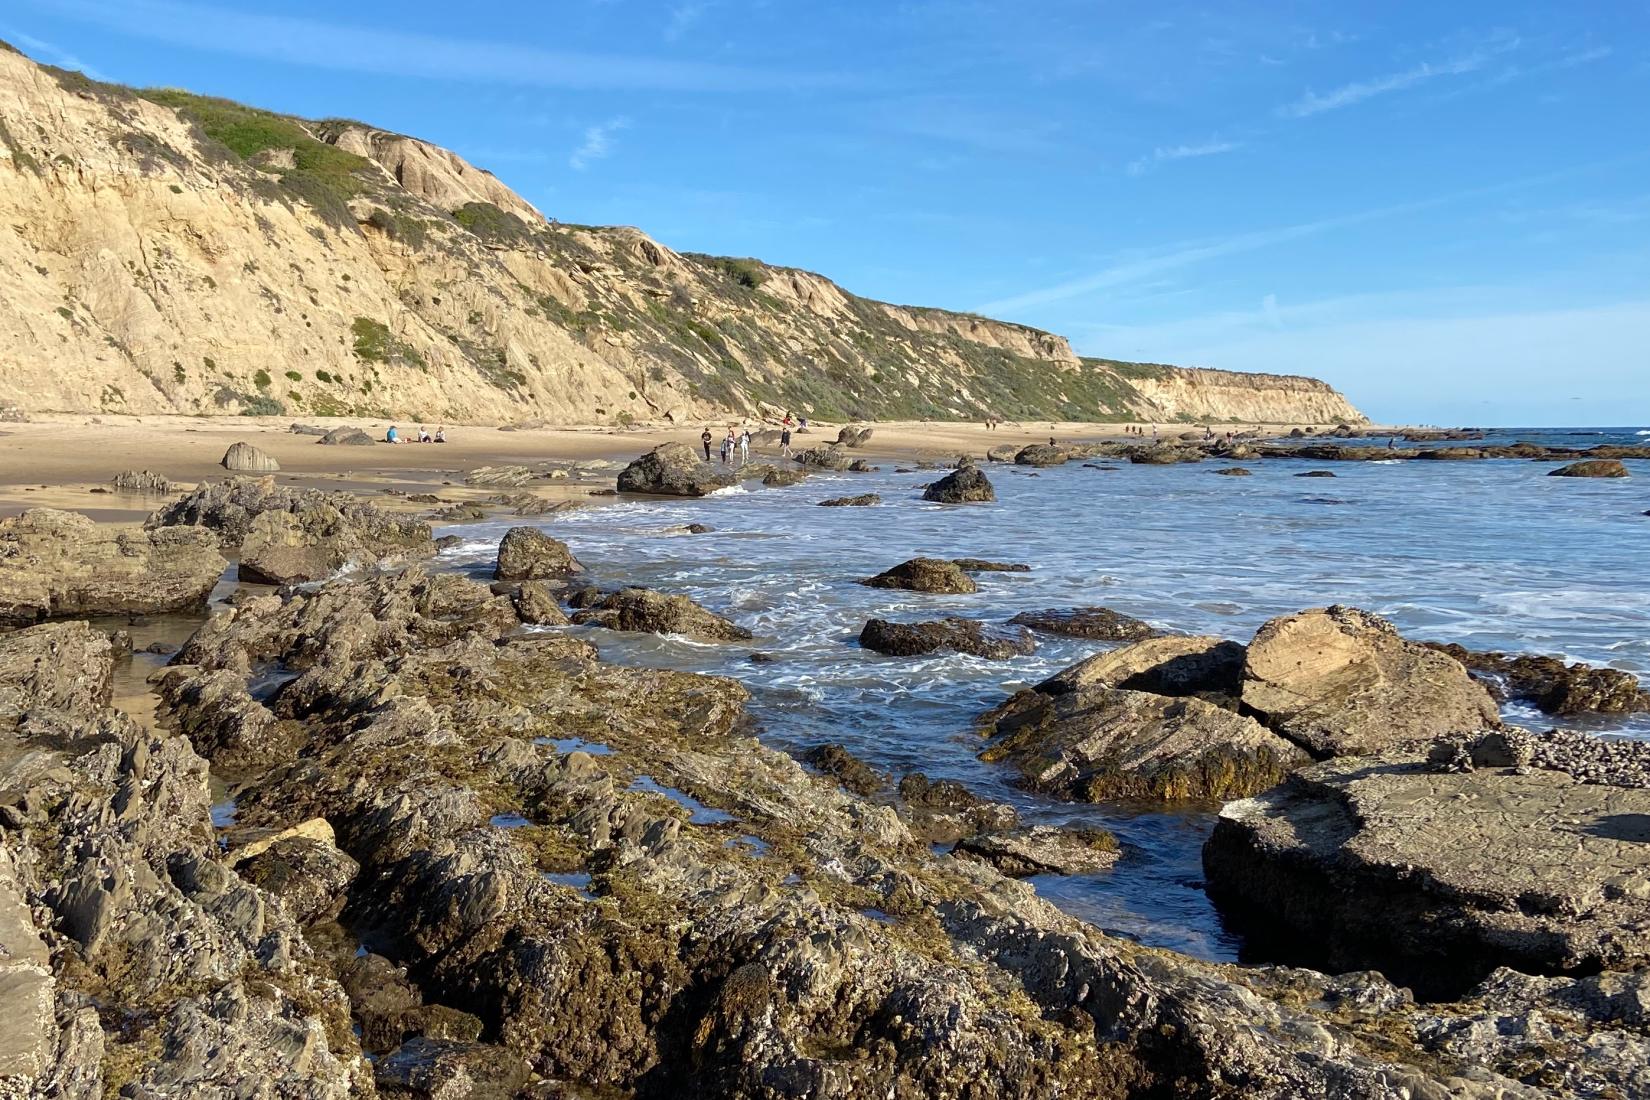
(598, 143)
(319, 44)
(1181, 152)
(1356, 92)
(45, 51)
(682, 18)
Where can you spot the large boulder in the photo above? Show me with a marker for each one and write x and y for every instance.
(853, 436)
(642, 609)
(674, 469)
(55, 564)
(827, 456)
(778, 477)
(1552, 685)
(244, 458)
(1042, 454)
(347, 437)
(1340, 681)
(964, 485)
(955, 634)
(1100, 624)
(528, 554)
(1178, 664)
(935, 575)
(1101, 743)
(1593, 467)
(319, 537)
(1435, 877)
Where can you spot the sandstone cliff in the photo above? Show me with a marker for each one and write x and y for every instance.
(161, 251)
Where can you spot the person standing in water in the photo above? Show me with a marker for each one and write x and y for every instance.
(704, 438)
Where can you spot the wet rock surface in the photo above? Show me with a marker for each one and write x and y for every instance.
(1340, 681)
(1438, 876)
(780, 476)
(952, 634)
(1596, 467)
(1179, 664)
(964, 485)
(673, 469)
(983, 565)
(864, 500)
(853, 773)
(1552, 685)
(1042, 454)
(1042, 850)
(528, 554)
(935, 575)
(55, 564)
(642, 609)
(1095, 623)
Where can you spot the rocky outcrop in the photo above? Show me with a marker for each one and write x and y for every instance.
(943, 811)
(346, 437)
(55, 564)
(1550, 684)
(1437, 877)
(986, 565)
(1100, 624)
(244, 458)
(1099, 743)
(826, 456)
(864, 500)
(1597, 467)
(954, 634)
(1200, 665)
(854, 435)
(1042, 850)
(57, 666)
(1339, 682)
(933, 575)
(853, 773)
(779, 477)
(673, 469)
(142, 482)
(1042, 454)
(643, 609)
(964, 485)
(528, 554)
(1199, 394)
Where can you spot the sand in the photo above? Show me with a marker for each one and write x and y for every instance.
(59, 460)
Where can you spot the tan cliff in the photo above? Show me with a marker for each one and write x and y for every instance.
(164, 252)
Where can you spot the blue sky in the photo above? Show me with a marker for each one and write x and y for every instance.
(1443, 209)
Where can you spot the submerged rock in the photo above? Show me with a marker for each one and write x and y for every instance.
(244, 458)
(982, 565)
(1340, 681)
(959, 635)
(528, 554)
(1438, 877)
(1096, 623)
(864, 500)
(964, 485)
(674, 469)
(55, 564)
(934, 575)
(1597, 467)
(777, 477)
(1234, 471)
(642, 609)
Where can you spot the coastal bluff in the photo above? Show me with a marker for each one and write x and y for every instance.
(164, 252)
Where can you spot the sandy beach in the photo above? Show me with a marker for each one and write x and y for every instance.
(64, 460)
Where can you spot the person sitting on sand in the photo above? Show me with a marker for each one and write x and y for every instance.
(704, 438)
(440, 435)
(423, 434)
(392, 436)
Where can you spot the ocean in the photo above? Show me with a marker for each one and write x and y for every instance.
(1493, 554)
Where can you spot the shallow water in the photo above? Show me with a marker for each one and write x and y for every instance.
(1491, 554)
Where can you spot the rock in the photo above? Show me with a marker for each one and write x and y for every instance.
(673, 469)
(443, 1068)
(347, 437)
(778, 477)
(322, 534)
(1095, 623)
(860, 466)
(1042, 850)
(864, 500)
(527, 553)
(244, 458)
(1552, 685)
(59, 666)
(853, 773)
(55, 564)
(1234, 471)
(943, 811)
(1599, 467)
(1316, 473)
(141, 481)
(1042, 454)
(536, 605)
(964, 485)
(1099, 743)
(960, 635)
(1339, 681)
(642, 609)
(309, 876)
(1436, 878)
(509, 476)
(934, 575)
(982, 565)
(1208, 667)
(307, 429)
(1165, 454)
(853, 436)
(13, 414)
(827, 456)
(1002, 453)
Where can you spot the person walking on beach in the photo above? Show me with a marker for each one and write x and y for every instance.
(727, 447)
(745, 447)
(785, 439)
(704, 438)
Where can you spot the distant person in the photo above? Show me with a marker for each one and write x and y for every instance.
(392, 436)
(802, 424)
(704, 440)
(727, 448)
(440, 435)
(784, 440)
(745, 447)
(424, 435)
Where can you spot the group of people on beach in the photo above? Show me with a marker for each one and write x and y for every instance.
(736, 444)
(394, 435)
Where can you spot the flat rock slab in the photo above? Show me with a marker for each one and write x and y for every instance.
(1095, 623)
(1176, 664)
(1437, 877)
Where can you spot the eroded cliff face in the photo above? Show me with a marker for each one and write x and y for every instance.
(166, 252)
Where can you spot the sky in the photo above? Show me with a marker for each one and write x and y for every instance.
(1442, 209)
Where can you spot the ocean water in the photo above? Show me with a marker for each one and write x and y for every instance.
(1491, 554)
